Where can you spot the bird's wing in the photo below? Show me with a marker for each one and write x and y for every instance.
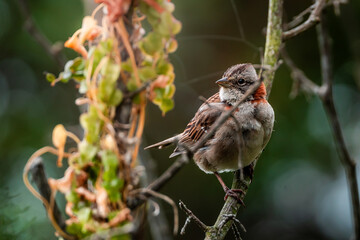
(207, 114)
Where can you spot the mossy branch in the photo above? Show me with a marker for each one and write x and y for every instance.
(272, 48)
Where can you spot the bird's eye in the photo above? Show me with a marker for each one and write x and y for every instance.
(241, 81)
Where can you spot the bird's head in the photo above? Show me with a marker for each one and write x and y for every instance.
(236, 81)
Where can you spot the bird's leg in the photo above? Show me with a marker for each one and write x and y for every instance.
(249, 171)
(230, 192)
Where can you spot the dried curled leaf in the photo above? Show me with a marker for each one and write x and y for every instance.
(75, 44)
(123, 215)
(59, 140)
(63, 184)
(85, 193)
(101, 202)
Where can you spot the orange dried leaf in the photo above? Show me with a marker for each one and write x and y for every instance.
(102, 202)
(90, 196)
(62, 184)
(59, 140)
(122, 216)
(68, 209)
(75, 44)
(59, 136)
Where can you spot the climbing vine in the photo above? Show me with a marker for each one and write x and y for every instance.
(101, 170)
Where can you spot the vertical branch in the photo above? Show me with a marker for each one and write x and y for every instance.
(272, 48)
(328, 103)
(273, 41)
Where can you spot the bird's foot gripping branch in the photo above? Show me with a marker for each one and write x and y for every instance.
(120, 68)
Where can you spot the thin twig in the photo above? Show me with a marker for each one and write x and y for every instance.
(54, 51)
(166, 199)
(192, 216)
(313, 19)
(161, 181)
(299, 77)
(238, 20)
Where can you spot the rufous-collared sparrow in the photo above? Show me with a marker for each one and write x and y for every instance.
(240, 140)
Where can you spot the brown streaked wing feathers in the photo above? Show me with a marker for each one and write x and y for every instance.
(200, 124)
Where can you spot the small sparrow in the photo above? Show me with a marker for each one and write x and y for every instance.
(240, 140)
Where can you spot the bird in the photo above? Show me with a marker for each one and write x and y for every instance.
(240, 140)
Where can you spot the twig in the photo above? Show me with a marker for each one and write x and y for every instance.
(39, 177)
(161, 181)
(299, 77)
(191, 216)
(299, 18)
(313, 19)
(166, 199)
(138, 90)
(54, 51)
(328, 103)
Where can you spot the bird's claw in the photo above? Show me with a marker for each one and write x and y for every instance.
(235, 194)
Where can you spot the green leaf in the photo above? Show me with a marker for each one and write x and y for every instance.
(109, 160)
(147, 74)
(84, 214)
(116, 98)
(111, 182)
(131, 84)
(169, 91)
(126, 66)
(83, 87)
(166, 105)
(103, 49)
(168, 26)
(172, 45)
(87, 152)
(108, 92)
(50, 77)
(92, 124)
(151, 44)
(72, 197)
(163, 67)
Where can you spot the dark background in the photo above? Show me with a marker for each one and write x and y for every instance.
(299, 188)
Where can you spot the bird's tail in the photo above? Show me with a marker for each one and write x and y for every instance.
(165, 143)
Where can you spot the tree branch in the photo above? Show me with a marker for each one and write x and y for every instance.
(54, 51)
(273, 41)
(299, 77)
(272, 48)
(328, 103)
(191, 216)
(324, 92)
(313, 19)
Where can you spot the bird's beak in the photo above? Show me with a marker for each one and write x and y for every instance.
(223, 82)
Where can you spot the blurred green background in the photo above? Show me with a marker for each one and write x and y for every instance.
(299, 188)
